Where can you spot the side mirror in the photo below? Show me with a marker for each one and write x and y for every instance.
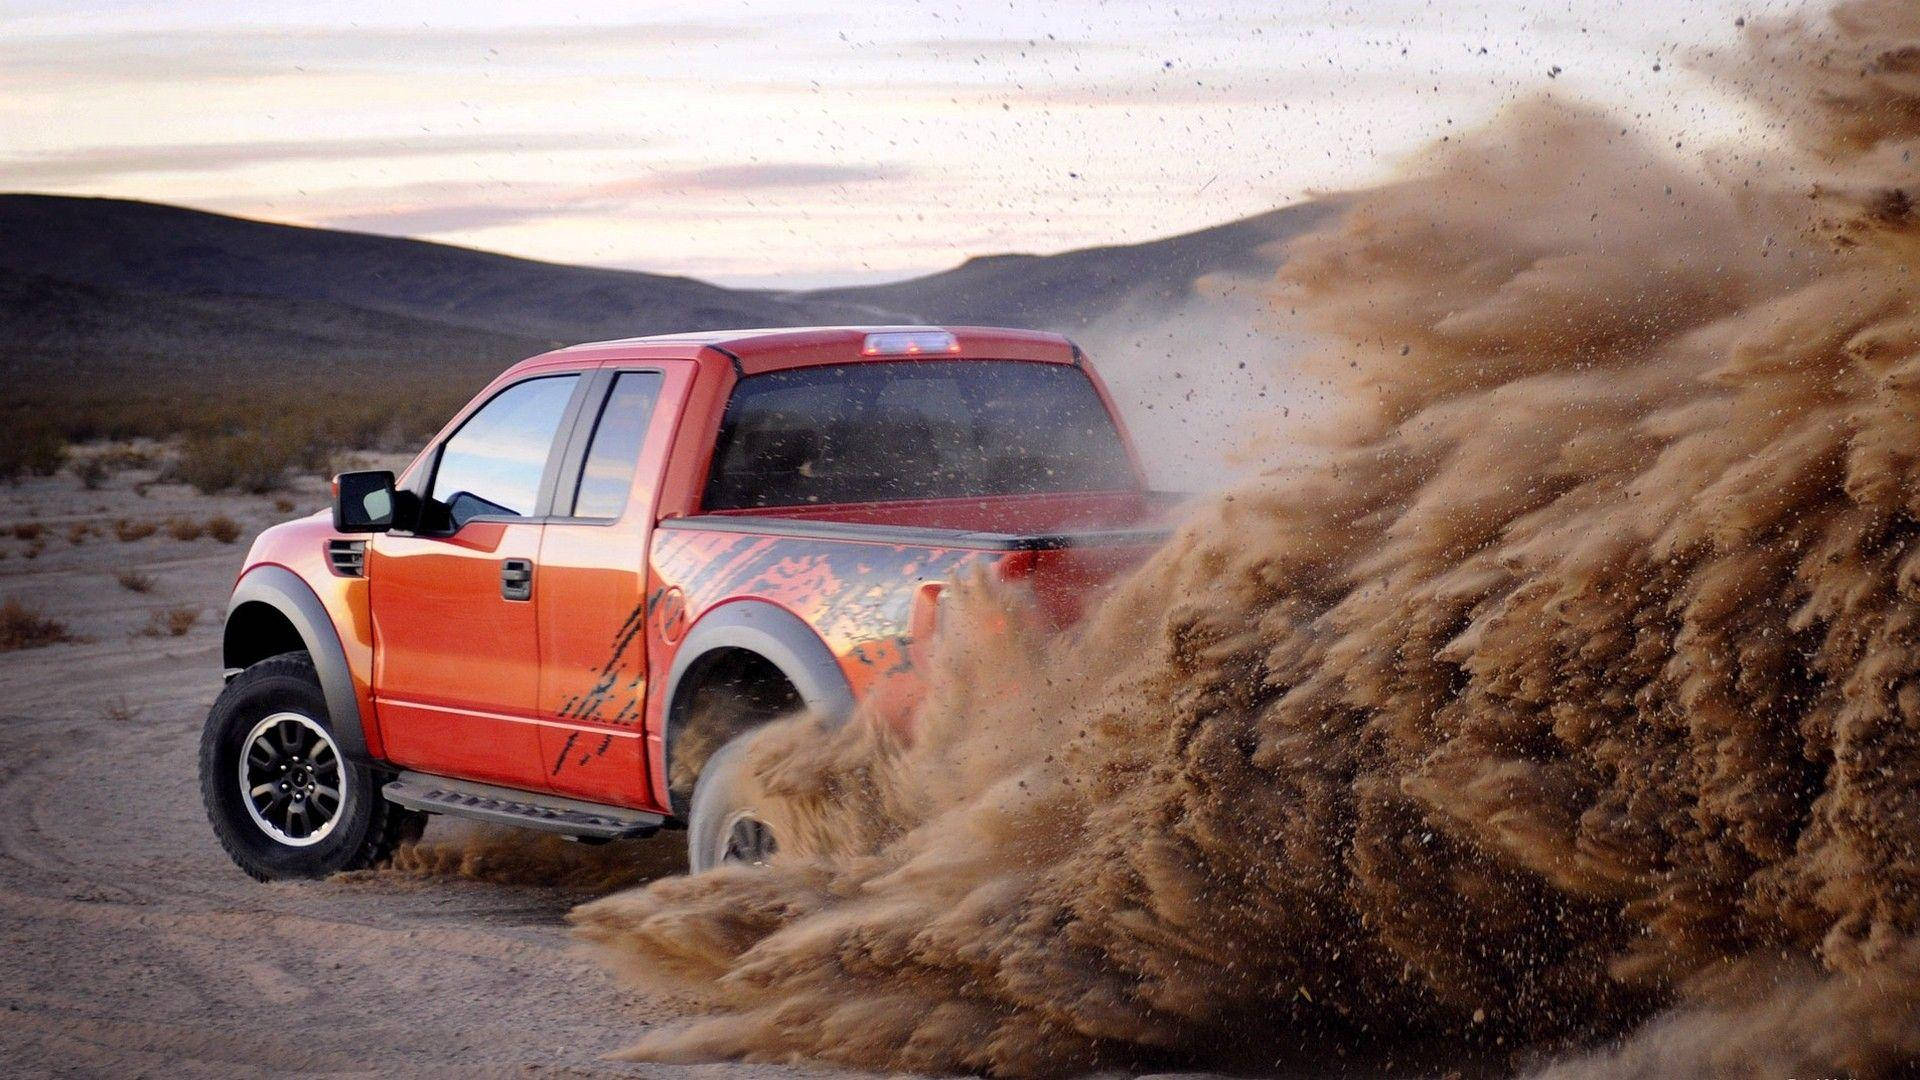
(366, 502)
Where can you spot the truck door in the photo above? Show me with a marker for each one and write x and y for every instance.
(456, 651)
(593, 604)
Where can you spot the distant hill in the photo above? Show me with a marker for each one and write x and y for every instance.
(150, 248)
(128, 316)
(72, 330)
(1075, 289)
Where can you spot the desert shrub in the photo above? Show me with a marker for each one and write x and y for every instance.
(248, 462)
(27, 530)
(172, 622)
(31, 449)
(122, 458)
(283, 504)
(135, 581)
(223, 528)
(120, 710)
(263, 399)
(129, 531)
(78, 532)
(23, 627)
(91, 471)
(184, 528)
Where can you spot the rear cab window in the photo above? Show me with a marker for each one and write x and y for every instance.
(606, 474)
(882, 431)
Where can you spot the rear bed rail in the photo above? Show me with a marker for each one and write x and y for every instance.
(859, 532)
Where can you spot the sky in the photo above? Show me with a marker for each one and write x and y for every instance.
(802, 142)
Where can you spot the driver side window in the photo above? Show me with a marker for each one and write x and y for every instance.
(492, 466)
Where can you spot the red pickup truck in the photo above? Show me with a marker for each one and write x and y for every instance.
(620, 557)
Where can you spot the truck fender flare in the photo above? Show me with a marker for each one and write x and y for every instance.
(777, 635)
(284, 591)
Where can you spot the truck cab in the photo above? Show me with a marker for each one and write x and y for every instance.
(621, 558)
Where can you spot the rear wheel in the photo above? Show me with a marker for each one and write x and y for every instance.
(726, 824)
(284, 802)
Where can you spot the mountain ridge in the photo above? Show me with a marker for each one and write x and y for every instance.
(120, 316)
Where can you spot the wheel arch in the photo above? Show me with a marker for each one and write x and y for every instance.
(273, 611)
(781, 640)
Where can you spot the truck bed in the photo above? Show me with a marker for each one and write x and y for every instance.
(1007, 523)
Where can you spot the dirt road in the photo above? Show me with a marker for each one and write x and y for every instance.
(129, 945)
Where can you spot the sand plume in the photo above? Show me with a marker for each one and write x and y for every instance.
(1580, 682)
(510, 856)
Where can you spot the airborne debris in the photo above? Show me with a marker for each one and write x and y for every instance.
(1637, 662)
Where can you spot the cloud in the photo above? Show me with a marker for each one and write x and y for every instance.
(97, 162)
(435, 208)
(768, 175)
(431, 220)
(967, 48)
(186, 56)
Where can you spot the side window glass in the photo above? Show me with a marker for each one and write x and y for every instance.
(493, 464)
(607, 475)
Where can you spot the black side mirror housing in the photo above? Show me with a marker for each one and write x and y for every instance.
(367, 502)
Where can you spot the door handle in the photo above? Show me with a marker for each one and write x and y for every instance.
(516, 579)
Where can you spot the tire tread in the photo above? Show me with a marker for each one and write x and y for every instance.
(388, 825)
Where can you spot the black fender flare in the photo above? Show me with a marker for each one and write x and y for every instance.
(284, 591)
(780, 637)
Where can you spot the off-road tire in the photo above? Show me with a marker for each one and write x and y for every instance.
(365, 828)
(723, 798)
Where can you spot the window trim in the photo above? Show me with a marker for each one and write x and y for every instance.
(580, 441)
(549, 472)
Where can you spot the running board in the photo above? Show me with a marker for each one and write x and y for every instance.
(527, 809)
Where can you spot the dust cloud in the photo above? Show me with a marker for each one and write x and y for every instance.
(1566, 715)
(1210, 388)
(501, 855)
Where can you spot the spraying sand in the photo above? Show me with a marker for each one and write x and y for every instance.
(1576, 694)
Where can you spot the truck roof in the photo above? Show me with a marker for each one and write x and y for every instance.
(754, 351)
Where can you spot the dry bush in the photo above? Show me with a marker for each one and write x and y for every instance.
(298, 407)
(120, 458)
(183, 528)
(31, 449)
(223, 528)
(78, 532)
(120, 710)
(276, 416)
(91, 471)
(247, 462)
(23, 627)
(283, 504)
(135, 581)
(28, 530)
(129, 531)
(171, 622)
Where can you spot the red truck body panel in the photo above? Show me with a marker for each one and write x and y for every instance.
(300, 546)
(859, 597)
(1012, 514)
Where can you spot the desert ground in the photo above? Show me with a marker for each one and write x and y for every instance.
(129, 945)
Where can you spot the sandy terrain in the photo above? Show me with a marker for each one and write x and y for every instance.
(129, 945)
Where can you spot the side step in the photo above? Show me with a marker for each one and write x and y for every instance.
(527, 809)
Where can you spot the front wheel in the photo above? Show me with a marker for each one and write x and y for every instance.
(283, 801)
(725, 824)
